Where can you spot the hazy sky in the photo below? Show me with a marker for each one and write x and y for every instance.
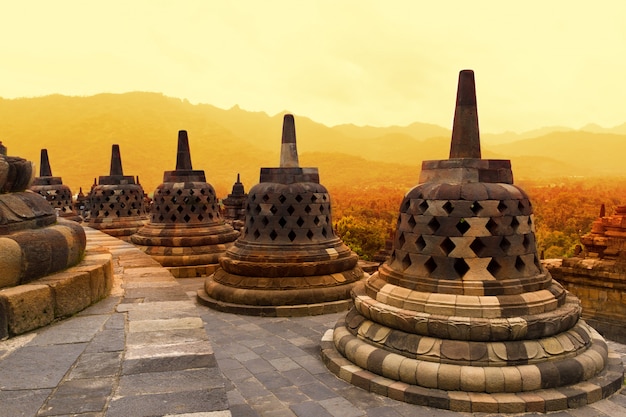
(537, 63)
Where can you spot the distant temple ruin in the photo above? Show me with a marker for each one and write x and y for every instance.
(463, 316)
(597, 276)
(288, 261)
(186, 232)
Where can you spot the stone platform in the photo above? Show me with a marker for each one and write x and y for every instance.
(125, 356)
(40, 302)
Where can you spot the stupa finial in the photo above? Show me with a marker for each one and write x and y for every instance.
(288, 150)
(465, 134)
(44, 166)
(116, 161)
(183, 156)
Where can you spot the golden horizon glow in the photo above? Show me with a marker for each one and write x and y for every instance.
(363, 62)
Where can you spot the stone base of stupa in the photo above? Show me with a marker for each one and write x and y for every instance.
(280, 297)
(187, 251)
(42, 301)
(121, 229)
(193, 271)
(391, 368)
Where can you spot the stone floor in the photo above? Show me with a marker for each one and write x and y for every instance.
(274, 369)
(149, 349)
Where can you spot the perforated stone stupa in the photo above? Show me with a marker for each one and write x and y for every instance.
(52, 188)
(186, 231)
(235, 205)
(45, 271)
(462, 315)
(116, 203)
(288, 261)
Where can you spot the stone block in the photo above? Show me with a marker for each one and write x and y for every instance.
(483, 403)
(71, 291)
(29, 307)
(472, 378)
(510, 403)
(10, 262)
(449, 377)
(4, 319)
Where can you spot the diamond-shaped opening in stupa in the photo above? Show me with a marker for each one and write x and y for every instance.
(476, 207)
(461, 267)
(447, 246)
(494, 267)
(519, 264)
(401, 240)
(420, 243)
(430, 265)
(514, 224)
(505, 245)
(462, 226)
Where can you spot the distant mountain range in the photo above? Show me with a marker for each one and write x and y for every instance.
(79, 131)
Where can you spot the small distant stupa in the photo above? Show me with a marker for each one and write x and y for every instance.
(235, 205)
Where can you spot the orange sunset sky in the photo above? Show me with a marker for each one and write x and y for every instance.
(537, 63)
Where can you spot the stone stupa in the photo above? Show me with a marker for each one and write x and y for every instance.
(463, 316)
(46, 272)
(288, 260)
(186, 232)
(235, 205)
(116, 202)
(55, 192)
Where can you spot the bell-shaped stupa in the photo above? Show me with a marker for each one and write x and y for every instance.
(288, 261)
(116, 202)
(235, 205)
(33, 242)
(463, 315)
(186, 232)
(52, 188)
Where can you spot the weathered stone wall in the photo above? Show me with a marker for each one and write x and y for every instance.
(601, 287)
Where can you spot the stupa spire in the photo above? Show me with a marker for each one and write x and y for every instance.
(183, 156)
(44, 166)
(288, 149)
(116, 161)
(465, 134)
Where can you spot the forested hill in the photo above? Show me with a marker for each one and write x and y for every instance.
(79, 131)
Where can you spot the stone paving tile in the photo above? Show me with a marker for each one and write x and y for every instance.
(36, 367)
(167, 403)
(24, 403)
(309, 409)
(78, 396)
(92, 365)
(77, 330)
